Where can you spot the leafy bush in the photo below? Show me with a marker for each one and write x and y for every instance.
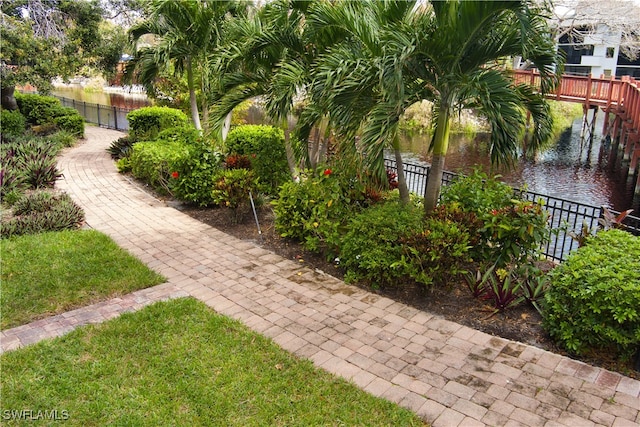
(513, 230)
(265, 146)
(315, 210)
(146, 123)
(370, 250)
(39, 109)
(71, 122)
(40, 212)
(12, 123)
(121, 147)
(438, 253)
(593, 301)
(232, 188)
(193, 175)
(153, 162)
(515, 233)
(477, 193)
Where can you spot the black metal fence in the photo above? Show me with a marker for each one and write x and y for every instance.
(566, 217)
(103, 115)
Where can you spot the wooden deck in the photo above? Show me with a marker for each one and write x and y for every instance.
(619, 98)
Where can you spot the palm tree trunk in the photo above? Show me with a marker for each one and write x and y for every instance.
(226, 126)
(291, 161)
(402, 181)
(195, 114)
(440, 146)
(8, 98)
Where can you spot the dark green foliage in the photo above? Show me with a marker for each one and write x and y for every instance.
(371, 248)
(154, 162)
(121, 147)
(72, 122)
(47, 114)
(593, 301)
(146, 123)
(265, 147)
(41, 170)
(40, 212)
(39, 109)
(29, 162)
(12, 123)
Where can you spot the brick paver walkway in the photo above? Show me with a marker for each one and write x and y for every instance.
(447, 373)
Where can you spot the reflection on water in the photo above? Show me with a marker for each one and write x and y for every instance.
(121, 100)
(570, 169)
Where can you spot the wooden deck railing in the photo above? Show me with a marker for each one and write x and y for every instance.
(620, 97)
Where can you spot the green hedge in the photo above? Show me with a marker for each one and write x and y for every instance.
(47, 111)
(265, 146)
(371, 249)
(72, 122)
(146, 123)
(154, 162)
(38, 109)
(594, 298)
(12, 123)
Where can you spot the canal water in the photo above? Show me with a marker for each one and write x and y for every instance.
(571, 168)
(120, 99)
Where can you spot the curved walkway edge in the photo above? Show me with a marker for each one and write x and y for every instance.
(449, 374)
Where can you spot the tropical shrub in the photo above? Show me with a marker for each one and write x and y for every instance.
(193, 176)
(12, 123)
(315, 210)
(47, 115)
(121, 147)
(71, 122)
(515, 233)
(438, 253)
(265, 147)
(232, 188)
(593, 302)
(371, 249)
(146, 123)
(42, 211)
(513, 230)
(29, 162)
(39, 109)
(477, 193)
(155, 161)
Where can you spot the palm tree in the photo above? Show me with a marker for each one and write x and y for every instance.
(446, 52)
(185, 33)
(272, 54)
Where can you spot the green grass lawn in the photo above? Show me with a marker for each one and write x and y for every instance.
(179, 363)
(50, 273)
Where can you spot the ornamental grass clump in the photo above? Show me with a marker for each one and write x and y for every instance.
(593, 302)
(42, 211)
